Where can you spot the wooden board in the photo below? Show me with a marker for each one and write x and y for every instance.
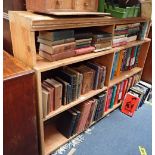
(54, 139)
(44, 65)
(81, 99)
(124, 75)
(39, 22)
(76, 13)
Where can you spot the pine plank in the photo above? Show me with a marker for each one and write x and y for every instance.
(81, 99)
(124, 75)
(44, 65)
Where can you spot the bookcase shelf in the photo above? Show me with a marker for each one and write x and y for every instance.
(51, 133)
(124, 75)
(81, 99)
(44, 65)
(27, 25)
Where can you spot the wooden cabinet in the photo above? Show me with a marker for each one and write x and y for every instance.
(20, 124)
(48, 6)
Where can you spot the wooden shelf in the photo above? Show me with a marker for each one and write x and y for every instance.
(44, 65)
(124, 75)
(38, 22)
(81, 99)
(54, 139)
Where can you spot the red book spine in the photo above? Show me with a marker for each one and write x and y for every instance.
(119, 44)
(109, 95)
(124, 88)
(84, 50)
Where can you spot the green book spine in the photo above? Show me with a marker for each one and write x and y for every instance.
(113, 96)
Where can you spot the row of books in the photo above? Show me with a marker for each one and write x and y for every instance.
(60, 44)
(82, 116)
(135, 97)
(125, 60)
(69, 83)
(117, 93)
(126, 33)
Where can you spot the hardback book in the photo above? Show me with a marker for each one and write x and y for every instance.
(120, 92)
(65, 122)
(132, 38)
(77, 120)
(56, 35)
(88, 78)
(124, 60)
(50, 105)
(105, 44)
(89, 120)
(119, 63)
(119, 44)
(53, 43)
(55, 57)
(45, 101)
(137, 55)
(78, 80)
(58, 48)
(114, 89)
(119, 40)
(97, 70)
(133, 25)
(130, 104)
(84, 40)
(85, 110)
(103, 49)
(108, 99)
(68, 78)
(131, 62)
(120, 36)
(121, 32)
(124, 88)
(129, 83)
(117, 94)
(115, 62)
(84, 50)
(86, 45)
(128, 58)
(57, 92)
(100, 34)
(64, 90)
(69, 93)
(82, 34)
(103, 77)
(121, 27)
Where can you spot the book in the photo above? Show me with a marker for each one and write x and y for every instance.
(57, 92)
(45, 101)
(137, 55)
(132, 38)
(128, 58)
(108, 99)
(58, 48)
(131, 62)
(82, 34)
(101, 34)
(130, 104)
(78, 80)
(97, 70)
(119, 40)
(124, 88)
(84, 50)
(119, 44)
(85, 110)
(119, 63)
(103, 45)
(129, 83)
(64, 90)
(117, 94)
(50, 105)
(65, 123)
(102, 77)
(89, 40)
(55, 57)
(120, 92)
(115, 62)
(76, 121)
(88, 78)
(53, 43)
(56, 35)
(124, 60)
(114, 89)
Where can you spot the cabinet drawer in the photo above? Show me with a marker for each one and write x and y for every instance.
(86, 5)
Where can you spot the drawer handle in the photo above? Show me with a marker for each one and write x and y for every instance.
(86, 4)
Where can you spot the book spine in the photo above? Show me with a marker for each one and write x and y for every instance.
(113, 96)
(117, 94)
(84, 50)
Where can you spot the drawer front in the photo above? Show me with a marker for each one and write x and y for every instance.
(86, 5)
(59, 4)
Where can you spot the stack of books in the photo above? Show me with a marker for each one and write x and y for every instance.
(133, 31)
(56, 45)
(120, 35)
(83, 41)
(117, 93)
(82, 116)
(125, 60)
(102, 40)
(70, 83)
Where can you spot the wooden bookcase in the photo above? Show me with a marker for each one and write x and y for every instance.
(25, 26)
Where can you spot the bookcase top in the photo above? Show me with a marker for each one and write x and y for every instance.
(39, 22)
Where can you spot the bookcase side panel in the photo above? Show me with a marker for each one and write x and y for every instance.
(23, 40)
(143, 54)
(40, 112)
